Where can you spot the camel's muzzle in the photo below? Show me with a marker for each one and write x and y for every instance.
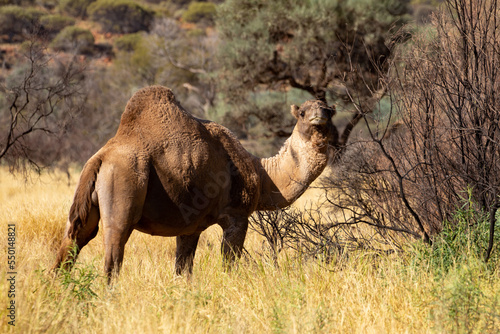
(318, 120)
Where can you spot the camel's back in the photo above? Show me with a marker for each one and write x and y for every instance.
(187, 155)
(154, 112)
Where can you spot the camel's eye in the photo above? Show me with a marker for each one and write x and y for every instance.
(302, 113)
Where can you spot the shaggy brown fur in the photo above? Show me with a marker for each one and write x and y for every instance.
(168, 173)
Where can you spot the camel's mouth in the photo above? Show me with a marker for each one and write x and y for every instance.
(317, 120)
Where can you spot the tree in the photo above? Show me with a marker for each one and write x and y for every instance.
(200, 12)
(189, 60)
(53, 24)
(121, 16)
(445, 156)
(329, 49)
(77, 8)
(39, 100)
(75, 39)
(18, 22)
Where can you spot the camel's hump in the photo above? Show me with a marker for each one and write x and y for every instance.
(155, 100)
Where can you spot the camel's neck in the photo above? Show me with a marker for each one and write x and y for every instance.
(287, 175)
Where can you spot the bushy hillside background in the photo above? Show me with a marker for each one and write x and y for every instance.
(105, 50)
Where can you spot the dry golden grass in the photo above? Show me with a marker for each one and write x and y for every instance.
(363, 294)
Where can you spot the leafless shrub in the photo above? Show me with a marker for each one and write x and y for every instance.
(317, 236)
(366, 195)
(310, 233)
(276, 227)
(39, 100)
(409, 180)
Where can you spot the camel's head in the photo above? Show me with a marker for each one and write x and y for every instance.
(314, 121)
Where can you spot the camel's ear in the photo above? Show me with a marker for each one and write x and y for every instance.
(294, 109)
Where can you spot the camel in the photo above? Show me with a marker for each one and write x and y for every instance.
(168, 173)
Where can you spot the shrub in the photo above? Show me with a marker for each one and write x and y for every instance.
(446, 137)
(48, 4)
(200, 12)
(455, 259)
(121, 16)
(422, 13)
(18, 21)
(74, 39)
(53, 24)
(128, 42)
(103, 50)
(46, 91)
(462, 240)
(76, 8)
(17, 2)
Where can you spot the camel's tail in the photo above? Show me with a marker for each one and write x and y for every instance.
(82, 201)
(81, 226)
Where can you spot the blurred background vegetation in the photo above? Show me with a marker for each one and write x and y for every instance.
(241, 63)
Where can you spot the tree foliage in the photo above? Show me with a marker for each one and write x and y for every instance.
(53, 24)
(121, 16)
(307, 45)
(76, 8)
(18, 22)
(128, 42)
(191, 58)
(330, 49)
(75, 39)
(200, 12)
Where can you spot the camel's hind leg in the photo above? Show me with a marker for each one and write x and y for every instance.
(119, 215)
(120, 203)
(121, 190)
(115, 239)
(184, 256)
(72, 245)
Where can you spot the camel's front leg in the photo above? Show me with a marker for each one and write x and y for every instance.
(184, 256)
(235, 231)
